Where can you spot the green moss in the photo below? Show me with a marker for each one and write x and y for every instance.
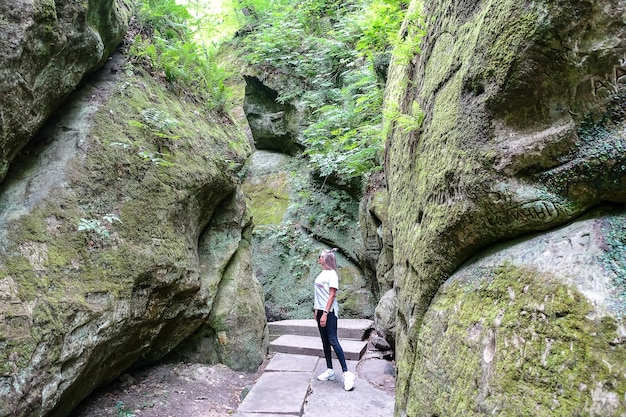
(32, 228)
(14, 354)
(269, 198)
(506, 47)
(44, 12)
(29, 285)
(547, 355)
(482, 65)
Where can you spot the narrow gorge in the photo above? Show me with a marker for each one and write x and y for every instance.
(483, 231)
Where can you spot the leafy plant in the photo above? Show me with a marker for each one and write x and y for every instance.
(345, 140)
(380, 26)
(408, 46)
(324, 50)
(97, 228)
(122, 411)
(406, 123)
(163, 16)
(94, 225)
(156, 158)
(164, 44)
(158, 124)
(111, 218)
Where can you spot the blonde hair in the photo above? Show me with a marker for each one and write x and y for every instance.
(329, 258)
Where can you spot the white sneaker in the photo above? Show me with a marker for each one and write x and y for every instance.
(328, 375)
(348, 380)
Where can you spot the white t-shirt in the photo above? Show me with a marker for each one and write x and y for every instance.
(326, 280)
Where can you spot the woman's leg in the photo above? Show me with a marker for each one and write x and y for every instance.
(325, 340)
(331, 331)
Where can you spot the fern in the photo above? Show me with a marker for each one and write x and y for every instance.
(324, 49)
(165, 46)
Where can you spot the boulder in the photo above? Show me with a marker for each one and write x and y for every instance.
(100, 263)
(274, 125)
(235, 332)
(530, 327)
(377, 257)
(506, 119)
(268, 187)
(385, 316)
(46, 48)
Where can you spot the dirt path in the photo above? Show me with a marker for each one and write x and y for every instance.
(171, 390)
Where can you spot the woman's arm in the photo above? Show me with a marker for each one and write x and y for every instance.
(329, 305)
(331, 298)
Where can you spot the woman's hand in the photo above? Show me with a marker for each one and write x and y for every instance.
(323, 320)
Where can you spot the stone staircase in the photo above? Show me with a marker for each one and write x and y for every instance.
(288, 386)
(301, 337)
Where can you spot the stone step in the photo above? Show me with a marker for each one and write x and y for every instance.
(312, 346)
(357, 329)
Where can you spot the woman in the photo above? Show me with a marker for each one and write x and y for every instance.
(326, 311)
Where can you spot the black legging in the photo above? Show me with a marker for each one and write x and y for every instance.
(329, 338)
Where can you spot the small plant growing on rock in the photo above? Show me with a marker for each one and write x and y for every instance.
(94, 225)
(155, 158)
(158, 125)
(98, 231)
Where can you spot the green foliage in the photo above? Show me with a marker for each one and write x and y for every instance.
(158, 122)
(380, 26)
(324, 49)
(406, 123)
(157, 158)
(165, 46)
(163, 16)
(159, 126)
(252, 10)
(333, 209)
(344, 138)
(408, 46)
(213, 21)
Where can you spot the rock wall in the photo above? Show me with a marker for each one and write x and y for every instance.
(378, 254)
(507, 119)
(273, 125)
(106, 228)
(297, 215)
(46, 48)
(235, 331)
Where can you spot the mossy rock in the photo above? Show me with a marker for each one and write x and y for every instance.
(515, 342)
(505, 121)
(48, 47)
(99, 268)
(517, 333)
